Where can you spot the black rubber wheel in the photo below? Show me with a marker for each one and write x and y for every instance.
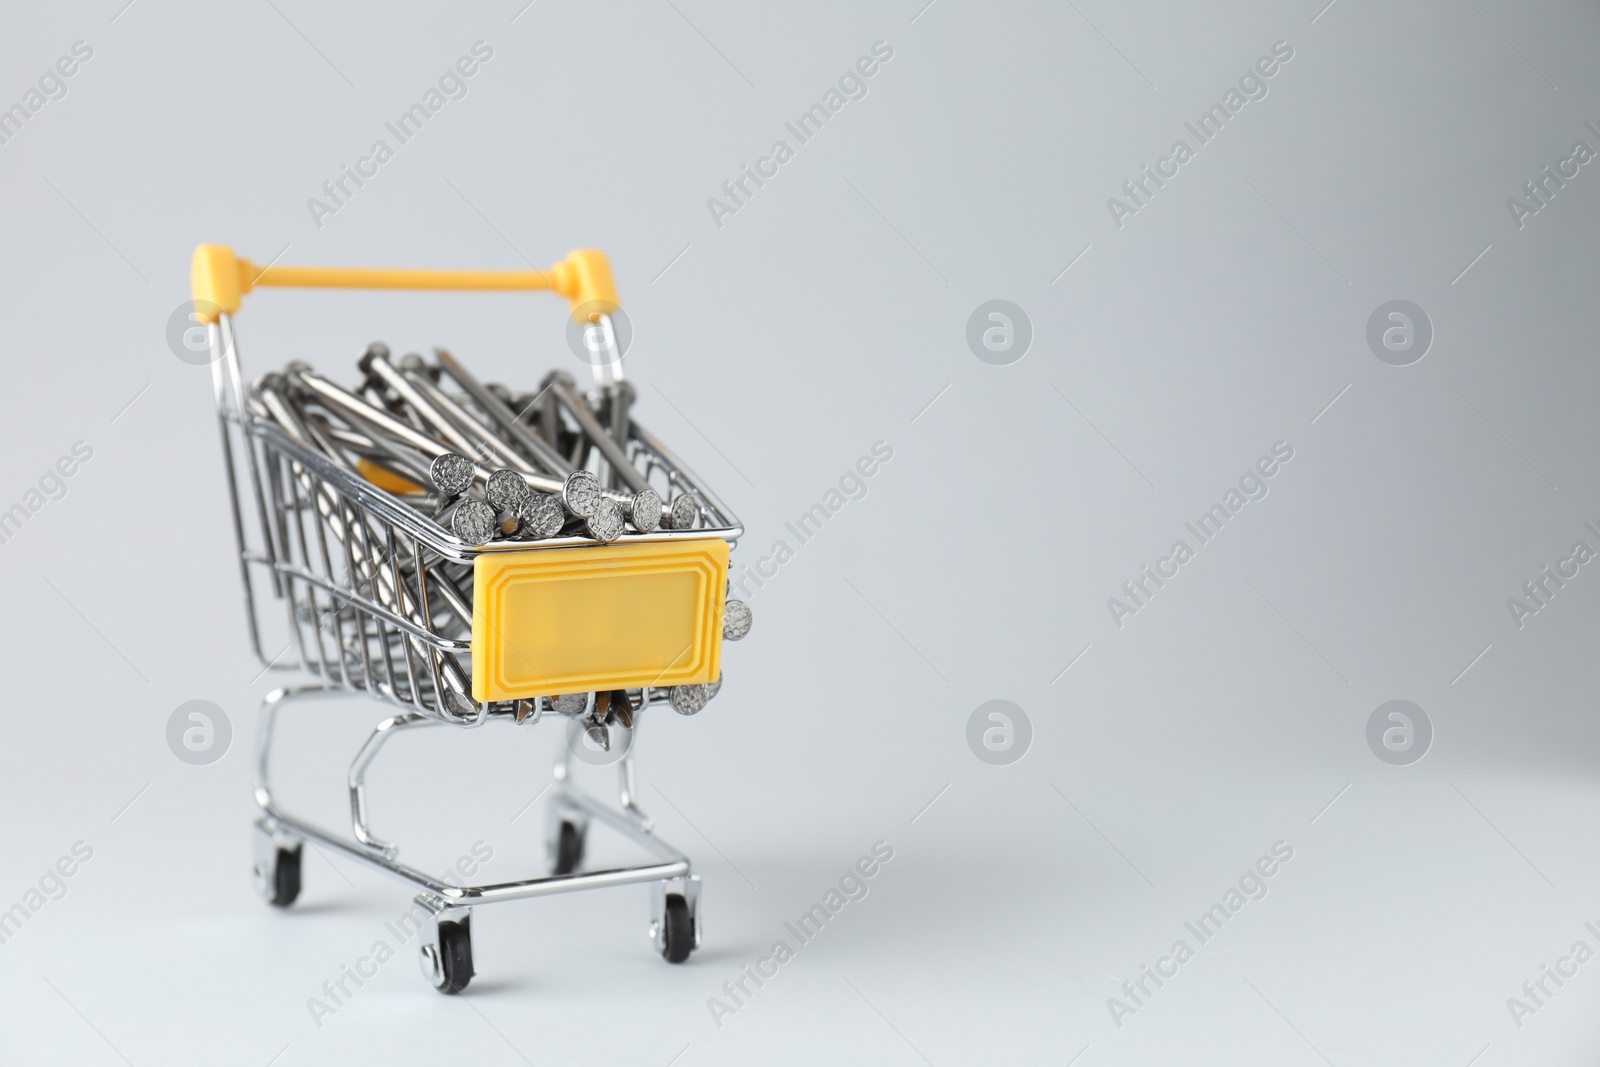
(678, 932)
(455, 955)
(285, 877)
(569, 848)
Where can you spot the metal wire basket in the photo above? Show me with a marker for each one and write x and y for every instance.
(369, 586)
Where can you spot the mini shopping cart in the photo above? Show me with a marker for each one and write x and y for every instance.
(368, 590)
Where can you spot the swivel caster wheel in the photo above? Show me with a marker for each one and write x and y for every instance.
(446, 958)
(565, 833)
(676, 927)
(568, 848)
(277, 867)
(677, 935)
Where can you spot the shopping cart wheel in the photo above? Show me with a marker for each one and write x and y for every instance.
(285, 877)
(447, 958)
(677, 930)
(569, 847)
(277, 867)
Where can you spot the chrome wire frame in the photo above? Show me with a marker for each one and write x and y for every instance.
(364, 584)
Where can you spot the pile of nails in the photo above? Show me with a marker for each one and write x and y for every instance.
(486, 463)
(492, 465)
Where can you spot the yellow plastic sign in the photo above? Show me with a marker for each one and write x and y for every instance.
(581, 620)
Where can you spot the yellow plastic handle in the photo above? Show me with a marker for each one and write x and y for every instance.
(220, 280)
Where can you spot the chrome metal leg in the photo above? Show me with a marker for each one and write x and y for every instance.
(627, 781)
(358, 776)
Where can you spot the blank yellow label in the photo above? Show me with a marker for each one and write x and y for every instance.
(580, 620)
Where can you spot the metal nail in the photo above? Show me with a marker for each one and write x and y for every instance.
(682, 514)
(605, 524)
(735, 620)
(451, 473)
(619, 400)
(413, 362)
(474, 522)
(486, 445)
(391, 456)
(495, 407)
(598, 435)
(506, 490)
(541, 516)
(451, 594)
(687, 699)
(579, 450)
(371, 385)
(624, 705)
(550, 408)
(569, 703)
(581, 493)
(377, 364)
(644, 510)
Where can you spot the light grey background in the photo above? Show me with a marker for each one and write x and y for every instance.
(828, 314)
